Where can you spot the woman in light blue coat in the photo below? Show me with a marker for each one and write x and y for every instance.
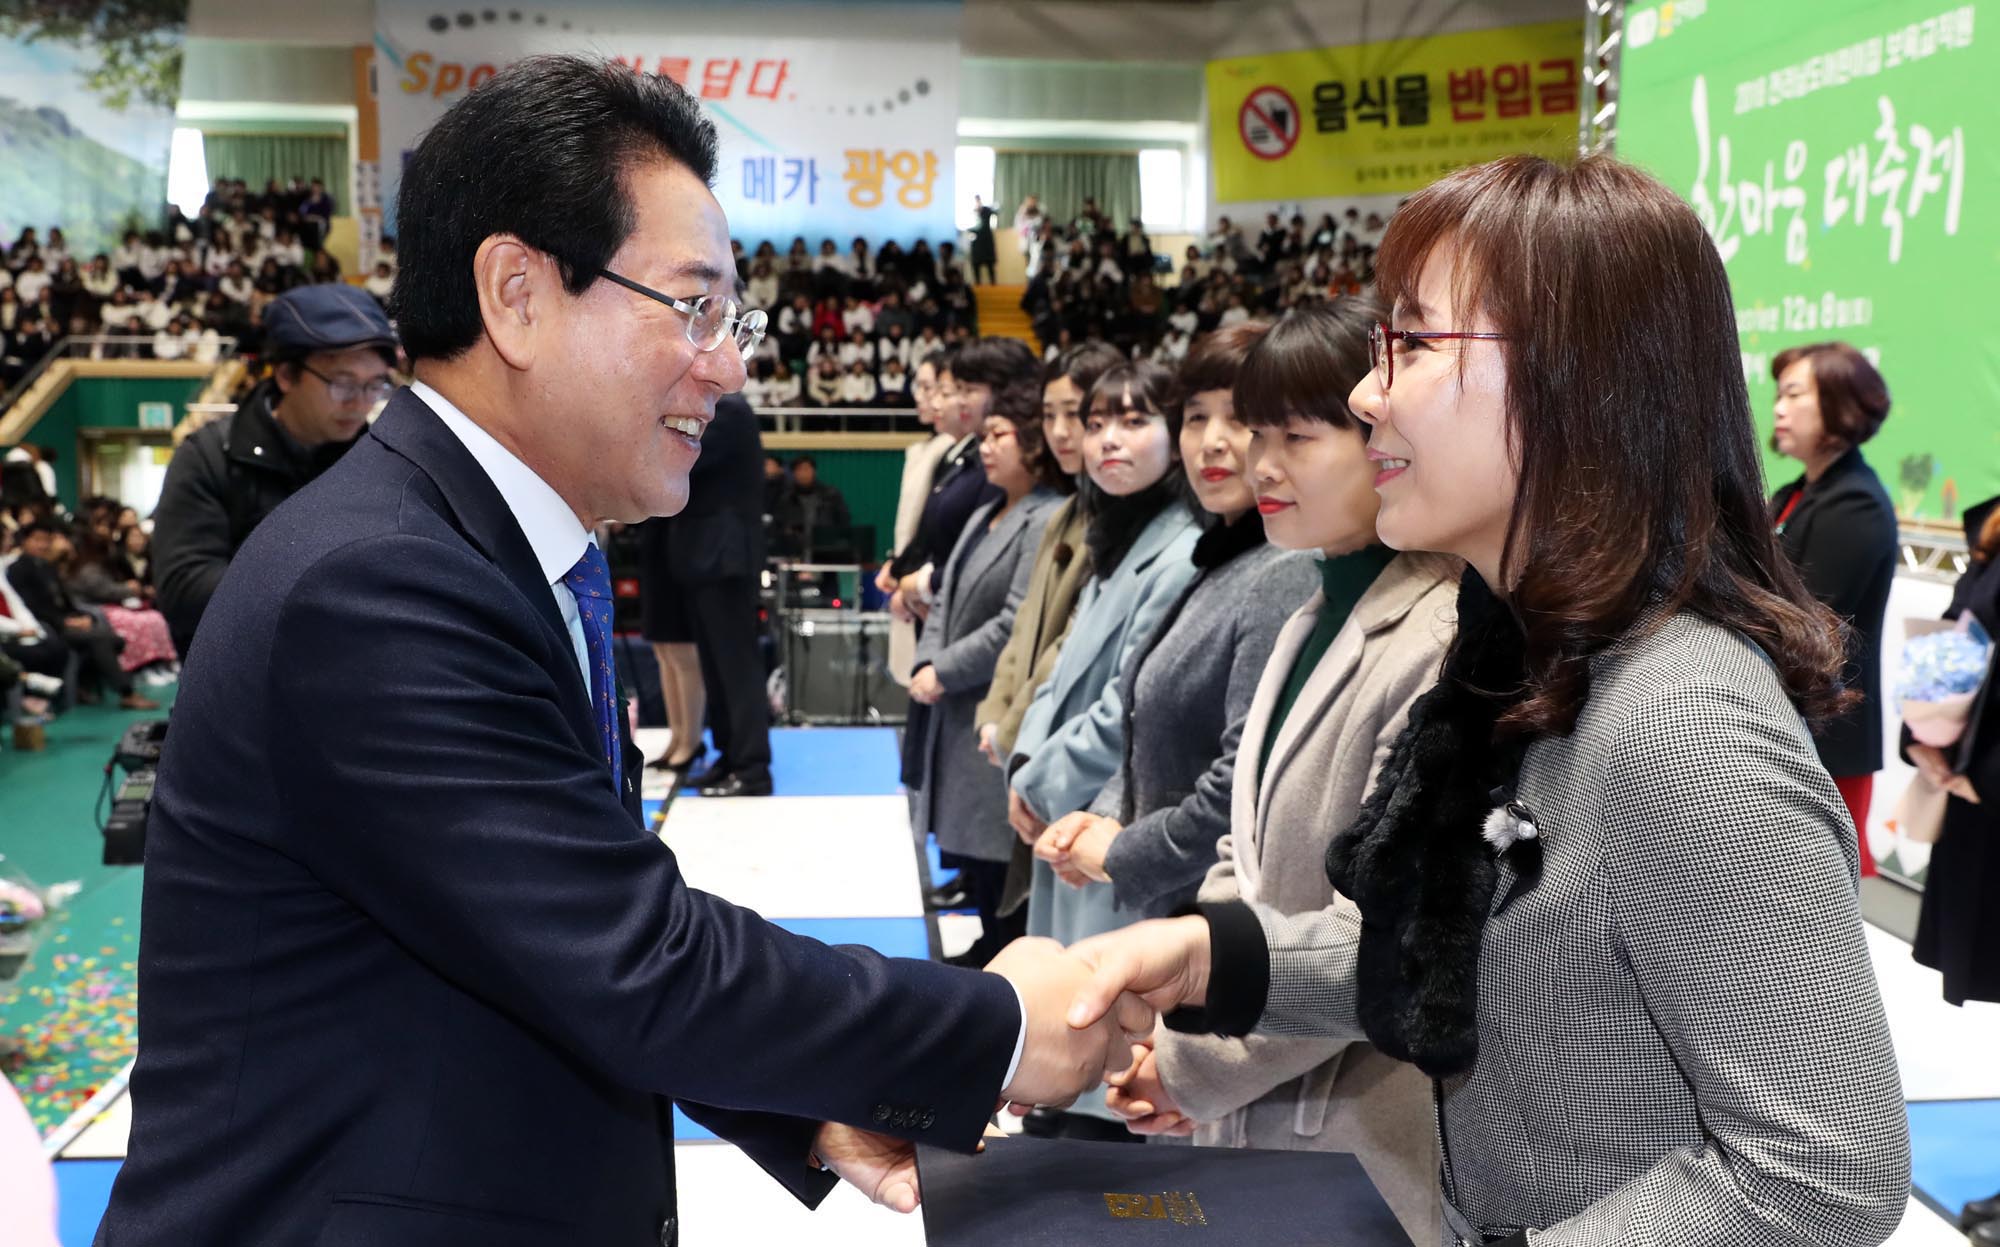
(1141, 540)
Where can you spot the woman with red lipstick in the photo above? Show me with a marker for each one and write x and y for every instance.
(1328, 706)
(1151, 832)
(1603, 891)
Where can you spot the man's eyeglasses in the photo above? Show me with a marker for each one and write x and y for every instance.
(1382, 340)
(710, 321)
(344, 390)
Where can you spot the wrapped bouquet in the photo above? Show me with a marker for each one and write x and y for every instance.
(1941, 674)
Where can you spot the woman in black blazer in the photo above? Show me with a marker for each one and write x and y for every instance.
(1837, 525)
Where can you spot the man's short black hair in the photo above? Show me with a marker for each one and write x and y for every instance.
(38, 527)
(807, 460)
(538, 151)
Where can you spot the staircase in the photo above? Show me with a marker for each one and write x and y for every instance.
(1000, 314)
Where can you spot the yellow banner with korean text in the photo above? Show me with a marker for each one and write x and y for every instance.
(1392, 116)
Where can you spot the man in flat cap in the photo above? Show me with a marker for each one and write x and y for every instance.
(333, 348)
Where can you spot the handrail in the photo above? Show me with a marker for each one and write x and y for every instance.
(69, 347)
(789, 420)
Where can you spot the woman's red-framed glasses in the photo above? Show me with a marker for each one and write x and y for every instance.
(1381, 341)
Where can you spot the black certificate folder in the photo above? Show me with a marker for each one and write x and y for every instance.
(1024, 1192)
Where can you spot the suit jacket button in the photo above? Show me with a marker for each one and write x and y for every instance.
(670, 1232)
(928, 1120)
(881, 1112)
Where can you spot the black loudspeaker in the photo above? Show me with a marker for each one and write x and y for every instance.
(836, 669)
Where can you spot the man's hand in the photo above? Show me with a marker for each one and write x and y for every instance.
(1140, 1096)
(882, 1168)
(1075, 846)
(1164, 962)
(1060, 1061)
(1022, 818)
(989, 743)
(925, 687)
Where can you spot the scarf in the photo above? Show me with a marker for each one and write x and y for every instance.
(1115, 523)
(1420, 861)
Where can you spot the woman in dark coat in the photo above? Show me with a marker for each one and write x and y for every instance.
(1837, 526)
(984, 254)
(1959, 931)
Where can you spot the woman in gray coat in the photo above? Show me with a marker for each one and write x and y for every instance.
(1328, 705)
(956, 795)
(1151, 832)
(1603, 893)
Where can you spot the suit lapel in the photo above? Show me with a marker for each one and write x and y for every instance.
(411, 429)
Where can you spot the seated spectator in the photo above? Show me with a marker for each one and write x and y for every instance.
(753, 384)
(1235, 313)
(170, 342)
(132, 559)
(893, 383)
(96, 577)
(893, 345)
(32, 280)
(826, 315)
(89, 637)
(236, 285)
(926, 344)
(316, 211)
(893, 314)
(1173, 348)
(827, 346)
(762, 288)
(152, 312)
(857, 315)
(381, 282)
(823, 387)
(782, 389)
(44, 660)
(857, 386)
(324, 268)
(795, 327)
(858, 350)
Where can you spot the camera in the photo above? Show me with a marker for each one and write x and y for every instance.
(138, 755)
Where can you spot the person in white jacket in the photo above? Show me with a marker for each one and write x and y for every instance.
(858, 388)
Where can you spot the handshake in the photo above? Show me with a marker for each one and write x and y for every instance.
(1090, 1011)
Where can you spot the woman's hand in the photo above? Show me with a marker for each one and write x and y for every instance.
(989, 743)
(925, 686)
(1022, 818)
(1076, 845)
(1139, 1095)
(1932, 765)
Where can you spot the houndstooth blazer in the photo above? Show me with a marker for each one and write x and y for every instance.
(1680, 1036)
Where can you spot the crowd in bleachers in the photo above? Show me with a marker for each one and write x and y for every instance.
(848, 328)
(172, 292)
(77, 618)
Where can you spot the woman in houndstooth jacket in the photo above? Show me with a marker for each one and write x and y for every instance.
(1603, 893)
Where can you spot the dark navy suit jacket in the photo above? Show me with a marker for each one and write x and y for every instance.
(411, 971)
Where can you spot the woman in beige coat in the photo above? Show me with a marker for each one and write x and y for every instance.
(1333, 698)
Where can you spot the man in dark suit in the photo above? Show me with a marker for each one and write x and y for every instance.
(93, 642)
(411, 969)
(709, 557)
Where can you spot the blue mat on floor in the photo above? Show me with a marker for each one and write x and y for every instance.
(83, 1191)
(1955, 1150)
(834, 762)
(894, 937)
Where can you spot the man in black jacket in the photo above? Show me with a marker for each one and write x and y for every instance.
(334, 349)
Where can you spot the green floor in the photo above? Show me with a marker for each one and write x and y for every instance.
(74, 1007)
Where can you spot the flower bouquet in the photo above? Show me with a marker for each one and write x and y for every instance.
(1942, 671)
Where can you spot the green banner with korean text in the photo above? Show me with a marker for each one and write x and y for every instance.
(1842, 154)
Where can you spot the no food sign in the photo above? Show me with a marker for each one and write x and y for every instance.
(1268, 122)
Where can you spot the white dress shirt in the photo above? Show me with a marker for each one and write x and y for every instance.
(554, 533)
(558, 539)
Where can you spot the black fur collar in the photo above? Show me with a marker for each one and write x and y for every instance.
(1415, 861)
(1115, 523)
(1223, 542)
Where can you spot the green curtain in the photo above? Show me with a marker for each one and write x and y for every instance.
(257, 158)
(1062, 179)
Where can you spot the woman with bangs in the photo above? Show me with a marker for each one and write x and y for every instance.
(1603, 891)
(1329, 705)
(1140, 537)
(1151, 832)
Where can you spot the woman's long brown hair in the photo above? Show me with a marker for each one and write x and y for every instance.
(1628, 419)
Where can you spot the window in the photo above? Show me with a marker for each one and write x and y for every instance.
(187, 171)
(973, 170)
(1162, 188)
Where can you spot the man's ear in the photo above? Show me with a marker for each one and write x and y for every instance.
(518, 288)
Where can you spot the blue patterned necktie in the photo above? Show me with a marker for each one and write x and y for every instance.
(590, 581)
